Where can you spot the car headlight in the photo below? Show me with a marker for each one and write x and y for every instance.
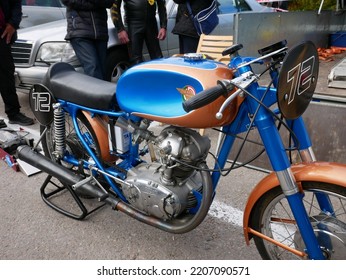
(56, 52)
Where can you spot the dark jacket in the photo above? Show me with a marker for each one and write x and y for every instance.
(87, 18)
(183, 22)
(12, 10)
(139, 12)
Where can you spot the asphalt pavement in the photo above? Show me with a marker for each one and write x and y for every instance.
(30, 230)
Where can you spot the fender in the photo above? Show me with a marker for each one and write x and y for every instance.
(41, 103)
(100, 129)
(327, 172)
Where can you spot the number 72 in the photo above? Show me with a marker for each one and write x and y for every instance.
(299, 78)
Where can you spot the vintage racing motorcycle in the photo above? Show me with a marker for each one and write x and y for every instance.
(99, 142)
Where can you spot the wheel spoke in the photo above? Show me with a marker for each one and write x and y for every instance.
(276, 221)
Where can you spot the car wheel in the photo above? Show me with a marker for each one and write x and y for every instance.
(117, 64)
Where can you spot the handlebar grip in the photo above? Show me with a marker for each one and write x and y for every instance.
(204, 97)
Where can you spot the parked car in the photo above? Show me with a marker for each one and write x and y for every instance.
(42, 45)
(36, 12)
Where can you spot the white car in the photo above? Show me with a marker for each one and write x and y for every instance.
(35, 12)
(39, 46)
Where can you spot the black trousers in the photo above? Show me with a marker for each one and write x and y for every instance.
(187, 44)
(140, 32)
(7, 82)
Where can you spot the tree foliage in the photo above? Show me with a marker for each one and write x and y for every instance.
(308, 5)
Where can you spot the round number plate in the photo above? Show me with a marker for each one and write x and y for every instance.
(297, 80)
(41, 101)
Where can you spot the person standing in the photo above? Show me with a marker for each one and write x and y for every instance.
(140, 18)
(87, 30)
(10, 17)
(184, 27)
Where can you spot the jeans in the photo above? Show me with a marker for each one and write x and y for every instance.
(7, 82)
(92, 56)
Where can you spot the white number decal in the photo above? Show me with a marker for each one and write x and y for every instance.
(42, 101)
(300, 77)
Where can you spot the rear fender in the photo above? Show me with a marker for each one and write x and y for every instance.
(327, 172)
(99, 126)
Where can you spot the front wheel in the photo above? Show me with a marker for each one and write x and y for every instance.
(272, 217)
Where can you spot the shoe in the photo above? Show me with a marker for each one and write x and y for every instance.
(2, 123)
(21, 119)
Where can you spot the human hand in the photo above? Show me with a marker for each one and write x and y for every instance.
(8, 33)
(162, 34)
(123, 37)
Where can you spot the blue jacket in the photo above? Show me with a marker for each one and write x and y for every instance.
(184, 24)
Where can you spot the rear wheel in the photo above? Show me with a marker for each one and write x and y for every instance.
(54, 193)
(272, 217)
(74, 146)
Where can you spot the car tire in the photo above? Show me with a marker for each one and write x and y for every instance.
(117, 63)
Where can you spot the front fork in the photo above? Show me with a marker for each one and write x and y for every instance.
(281, 165)
(307, 155)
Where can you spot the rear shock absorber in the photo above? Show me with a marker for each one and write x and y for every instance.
(59, 131)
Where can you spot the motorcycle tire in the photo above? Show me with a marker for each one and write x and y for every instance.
(272, 217)
(73, 144)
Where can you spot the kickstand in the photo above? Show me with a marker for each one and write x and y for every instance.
(47, 198)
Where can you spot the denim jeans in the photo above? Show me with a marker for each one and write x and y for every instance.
(92, 56)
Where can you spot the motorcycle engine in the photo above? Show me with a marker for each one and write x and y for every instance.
(165, 188)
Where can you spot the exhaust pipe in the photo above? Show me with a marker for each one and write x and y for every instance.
(177, 226)
(27, 154)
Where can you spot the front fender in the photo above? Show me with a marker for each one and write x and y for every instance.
(327, 172)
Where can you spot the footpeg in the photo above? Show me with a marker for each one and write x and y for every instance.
(92, 179)
(103, 197)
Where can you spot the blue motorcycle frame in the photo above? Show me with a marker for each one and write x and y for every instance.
(294, 81)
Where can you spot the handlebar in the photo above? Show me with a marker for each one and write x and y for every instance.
(244, 79)
(224, 86)
(207, 96)
(232, 49)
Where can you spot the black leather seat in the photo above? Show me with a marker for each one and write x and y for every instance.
(64, 82)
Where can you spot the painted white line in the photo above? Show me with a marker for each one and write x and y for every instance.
(226, 213)
(234, 216)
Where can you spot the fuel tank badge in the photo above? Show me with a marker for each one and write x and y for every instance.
(187, 92)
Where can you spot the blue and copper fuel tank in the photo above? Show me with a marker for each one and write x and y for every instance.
(156, 90)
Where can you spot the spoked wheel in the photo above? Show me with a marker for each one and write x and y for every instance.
(54, 190)
(73, 145)
(273, 217)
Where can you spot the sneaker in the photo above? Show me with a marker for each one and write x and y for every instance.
(21, 119)
(2, 123)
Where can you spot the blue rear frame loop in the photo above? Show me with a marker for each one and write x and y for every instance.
(73, 109)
